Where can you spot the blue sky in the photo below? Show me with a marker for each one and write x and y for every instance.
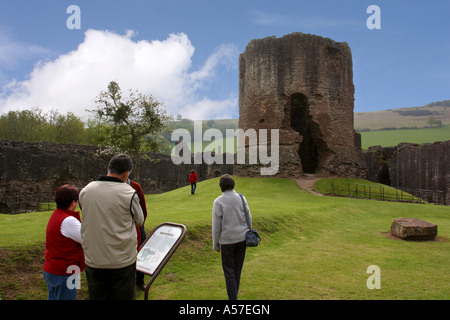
(185, 52)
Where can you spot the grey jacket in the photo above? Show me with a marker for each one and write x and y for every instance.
(228, 219)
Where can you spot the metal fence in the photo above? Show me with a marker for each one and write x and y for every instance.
(22, 205)
(429, 196)
(363, 191)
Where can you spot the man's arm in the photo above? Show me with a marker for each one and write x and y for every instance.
(216, 225)
(136, 210)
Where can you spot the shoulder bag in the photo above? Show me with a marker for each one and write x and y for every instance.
(252, 238)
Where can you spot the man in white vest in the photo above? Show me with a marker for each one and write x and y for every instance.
(110, 214)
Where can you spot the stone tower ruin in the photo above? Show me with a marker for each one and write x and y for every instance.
(301, 84)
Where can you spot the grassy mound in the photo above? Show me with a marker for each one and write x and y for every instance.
(312, 247)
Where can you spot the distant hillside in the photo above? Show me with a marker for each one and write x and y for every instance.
(414, 117)
(378, 127)
(401, 118)
(389, 138)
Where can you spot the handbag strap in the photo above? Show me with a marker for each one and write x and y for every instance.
(245, 212)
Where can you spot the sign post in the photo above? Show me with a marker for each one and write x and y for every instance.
(158, 248)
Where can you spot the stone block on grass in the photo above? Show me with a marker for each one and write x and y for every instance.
(413, 229)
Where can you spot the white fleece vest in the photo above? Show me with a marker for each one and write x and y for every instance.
(108, 231)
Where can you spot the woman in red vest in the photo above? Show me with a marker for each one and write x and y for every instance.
(64, 257)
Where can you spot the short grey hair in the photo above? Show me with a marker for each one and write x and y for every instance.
(120, 164)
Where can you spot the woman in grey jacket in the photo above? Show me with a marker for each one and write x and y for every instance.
(228, 232)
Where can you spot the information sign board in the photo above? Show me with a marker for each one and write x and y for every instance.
(157, 247)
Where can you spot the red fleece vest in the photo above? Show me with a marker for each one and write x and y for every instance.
(60, 251)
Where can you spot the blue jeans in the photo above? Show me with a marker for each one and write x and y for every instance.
(193, 187)
(57, 287)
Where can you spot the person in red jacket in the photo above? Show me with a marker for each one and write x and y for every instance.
(140, 230)
(64, 257)
(193, 181)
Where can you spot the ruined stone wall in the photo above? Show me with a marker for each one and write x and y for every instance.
(409, 165)
(302, 84)
(31, 172)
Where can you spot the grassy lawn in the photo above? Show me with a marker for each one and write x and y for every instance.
(312, 247)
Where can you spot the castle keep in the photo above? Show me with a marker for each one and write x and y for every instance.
(301, 84)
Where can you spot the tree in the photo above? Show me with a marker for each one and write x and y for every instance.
(34, 125)
(433, 121)
(64, 129)
(136, 121)
(24, 125)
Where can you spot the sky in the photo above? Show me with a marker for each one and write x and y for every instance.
(186, 52)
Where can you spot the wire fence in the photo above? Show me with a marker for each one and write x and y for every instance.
(429, 196)
(382, 193)
(20, 204)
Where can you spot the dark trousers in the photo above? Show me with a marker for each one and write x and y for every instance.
(140, 275)
(232, 262)
(193, 187)
(112, 284)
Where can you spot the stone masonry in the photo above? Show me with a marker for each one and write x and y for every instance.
(30, 172)
(408, 165)
(301, 84)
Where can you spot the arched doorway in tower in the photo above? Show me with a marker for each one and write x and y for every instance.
(302, 123)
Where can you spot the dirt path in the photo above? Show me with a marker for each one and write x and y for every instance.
(306, 182)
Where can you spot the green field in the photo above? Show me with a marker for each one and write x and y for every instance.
(312, 248)
(389, 138)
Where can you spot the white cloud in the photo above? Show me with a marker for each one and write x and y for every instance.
(268, 19)
(13, 52)
(302, 20)
(71, 82)
(224, 54)
(203, 109)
